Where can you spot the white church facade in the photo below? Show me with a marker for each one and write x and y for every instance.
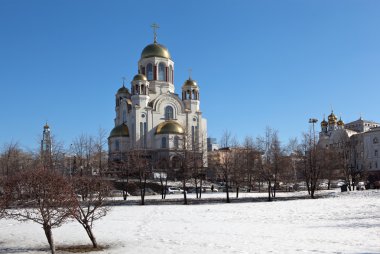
(360, 140)
(152, 117)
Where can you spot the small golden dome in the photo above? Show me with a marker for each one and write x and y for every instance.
(169, 127)
(190, 83)
(155, 50)
(123, 89)
(46, 126)
(324, 123)
(139, 77)
(340, 122)
(332, 118)
(120, 131)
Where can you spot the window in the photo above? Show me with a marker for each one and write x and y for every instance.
(149, 70)
(176, 142)
(375, 140)
(376, 153)
(161, 71)
(124, 116)
(169, 112)
(163, 142)
(117, 145)
(170, 74)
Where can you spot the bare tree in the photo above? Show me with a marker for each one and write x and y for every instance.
(10, 158)
(94, 190)
(84, 149)
(224, 161)
(311, 158)
(266, 160)
(41, 196)
(140, 161)
(100, 152)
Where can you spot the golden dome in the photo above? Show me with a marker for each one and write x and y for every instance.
(155, 50)
(139, 77)
(169, 127)
(332, 118)
(123, 89)
(46, 126)
(324, 123)
(190, 82)
(120, 131)
(340, 122)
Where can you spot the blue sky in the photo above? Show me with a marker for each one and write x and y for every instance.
(258, 63)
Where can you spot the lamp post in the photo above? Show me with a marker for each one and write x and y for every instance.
(313, 121)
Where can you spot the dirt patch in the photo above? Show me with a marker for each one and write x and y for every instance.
(81, 248)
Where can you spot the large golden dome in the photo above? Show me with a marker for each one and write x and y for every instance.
(120, 131)
(155, 50)
(169, 127)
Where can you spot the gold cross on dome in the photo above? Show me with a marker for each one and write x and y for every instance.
(155, 27)
(190, 70)
(123, 78)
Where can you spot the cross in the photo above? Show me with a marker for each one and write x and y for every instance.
(190, 70)
(123, 78)
(155, 27)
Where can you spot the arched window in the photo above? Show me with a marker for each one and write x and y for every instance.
(169, 112)
(161, 71)
(117, 145)
(375, 140)
(149, 70)
(163, 142)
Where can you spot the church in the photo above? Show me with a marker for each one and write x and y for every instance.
(152, 117)
(358, 140)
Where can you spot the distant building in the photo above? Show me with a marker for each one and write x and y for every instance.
(360, 139)
(212, 145)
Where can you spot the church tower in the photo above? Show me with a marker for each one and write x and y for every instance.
(46, 146)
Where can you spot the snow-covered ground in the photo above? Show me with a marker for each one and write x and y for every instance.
(343, 223)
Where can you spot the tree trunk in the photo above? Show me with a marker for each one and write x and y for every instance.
(237, 191)
(269, 191)
(196, 187)
(184, 192)
(142, 189)
(125, 189)
(227, 191)
(91, 235)
(49, 236)
(200, 194)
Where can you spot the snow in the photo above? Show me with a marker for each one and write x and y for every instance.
(341, 223)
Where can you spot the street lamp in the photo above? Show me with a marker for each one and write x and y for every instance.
(313, 121)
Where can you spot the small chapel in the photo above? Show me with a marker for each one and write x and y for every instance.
(151, 116)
